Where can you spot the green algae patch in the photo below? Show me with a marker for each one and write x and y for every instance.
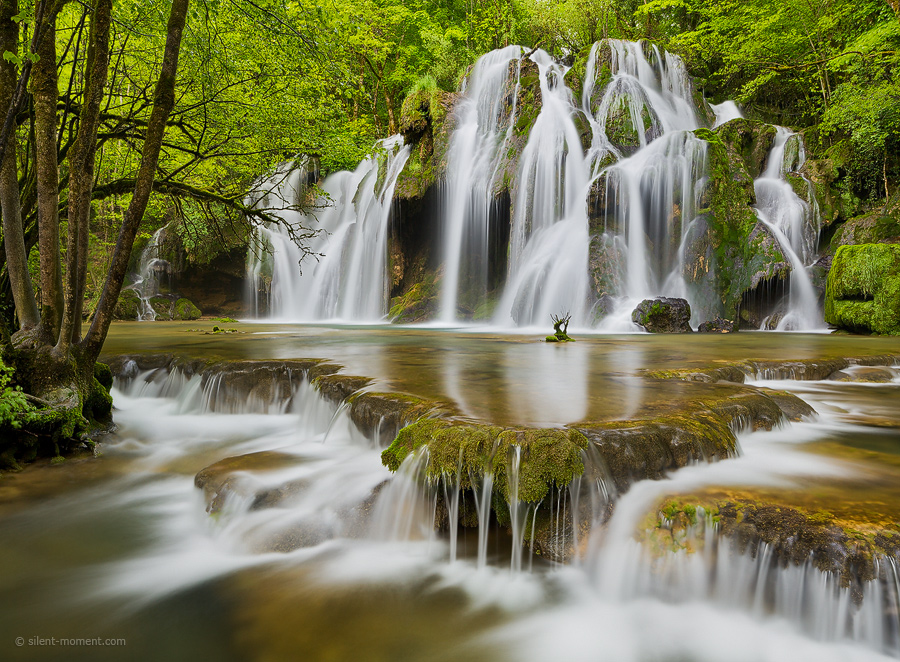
(549, 457)
(863, 289)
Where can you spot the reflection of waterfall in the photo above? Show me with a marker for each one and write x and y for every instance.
(151, 269)
(795, 225)
(347, 278)
(548, 243)
(485, 120)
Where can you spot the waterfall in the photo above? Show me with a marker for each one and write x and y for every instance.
(150, 268)
(345, 277)
(646, 168)
(602, 194)
(486, 118)
(549, 238)
(795, 225)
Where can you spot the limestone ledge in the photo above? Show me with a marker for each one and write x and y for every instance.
(853, 551)
(805, 369)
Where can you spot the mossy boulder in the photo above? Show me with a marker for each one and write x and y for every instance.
(863, 289)
(162, 305)
(881, 225)
(663, 315)
(626, 132)
(128, 306)
(184, 309)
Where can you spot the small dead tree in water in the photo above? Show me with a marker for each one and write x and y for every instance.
(560, 328)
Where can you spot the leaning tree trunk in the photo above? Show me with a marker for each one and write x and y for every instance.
(163, 102)
(13, 235)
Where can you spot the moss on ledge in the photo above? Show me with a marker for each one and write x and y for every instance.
(549, 457)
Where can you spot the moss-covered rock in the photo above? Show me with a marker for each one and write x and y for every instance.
(881, 225)
(184, 309)
(163, 306)
(751, 139)
(549, 457)
(128, 306)
(793, 536)
(863, 289)
(729, 251)
(663, 315)
(420, 302)
(424, 125)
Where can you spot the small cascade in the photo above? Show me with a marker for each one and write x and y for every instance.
(486, 118)
(347, 278)
(725, 112)
(705, 567)
(549, 236)
(151, 270)
(406, 509)
(795, 224)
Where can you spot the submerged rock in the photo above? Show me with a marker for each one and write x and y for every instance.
(717, 325)
(663, 315)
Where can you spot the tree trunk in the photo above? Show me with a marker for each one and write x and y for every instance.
(392, 122)
(45, 92)
(13, 234)
(81, 174)
(163, 102)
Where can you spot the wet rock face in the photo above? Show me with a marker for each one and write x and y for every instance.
(663, 315)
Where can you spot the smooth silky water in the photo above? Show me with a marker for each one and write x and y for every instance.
(122, 545)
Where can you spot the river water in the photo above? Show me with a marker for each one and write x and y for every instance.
(125, 546)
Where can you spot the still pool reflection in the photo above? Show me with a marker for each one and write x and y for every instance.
(499, 378)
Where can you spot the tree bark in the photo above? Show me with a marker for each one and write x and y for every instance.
(163, 102)
(81, 173)
(13, 234)
(45, 91)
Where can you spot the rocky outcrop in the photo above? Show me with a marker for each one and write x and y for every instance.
(729, 252)
(663, 315)
(863, 289)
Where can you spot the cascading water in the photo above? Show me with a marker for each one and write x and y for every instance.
(486, 118)
(591, 232)
(346, 277)
(795, 224)
(549, 235)
(150, 268)
(648, 198)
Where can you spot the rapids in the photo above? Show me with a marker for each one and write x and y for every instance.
(307, 546)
